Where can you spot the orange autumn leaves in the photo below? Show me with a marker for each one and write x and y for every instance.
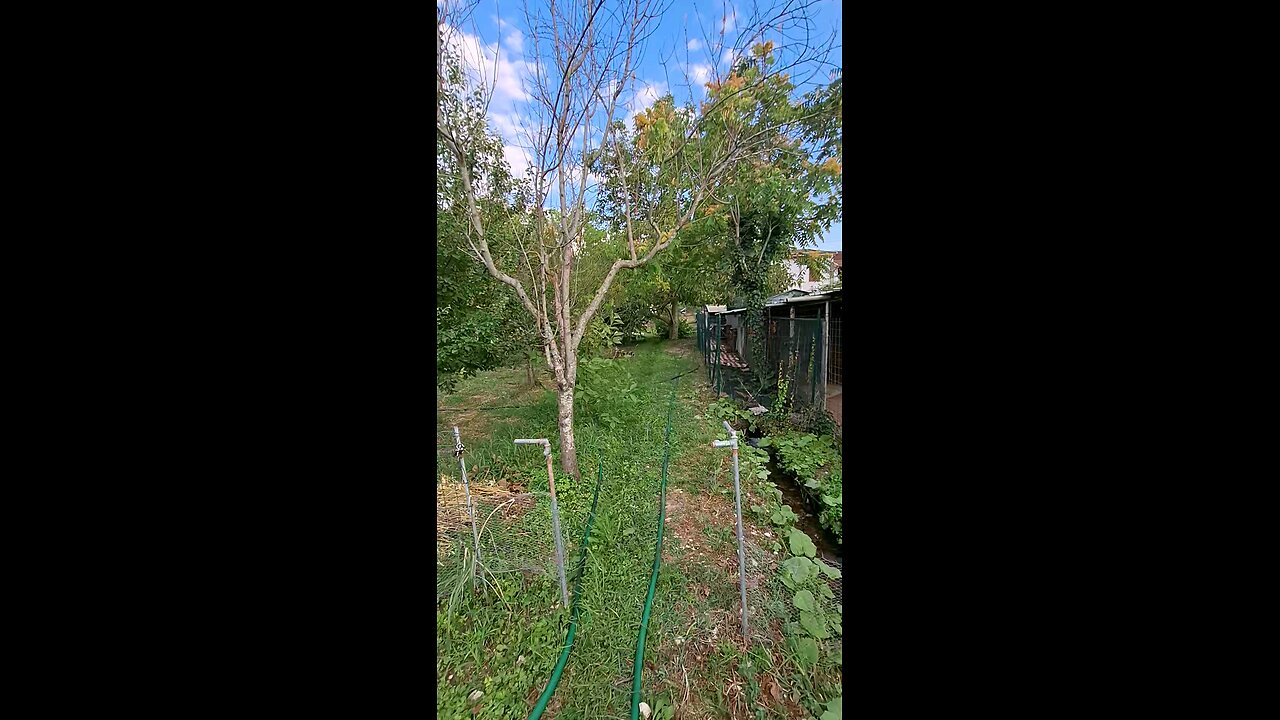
(656, 119)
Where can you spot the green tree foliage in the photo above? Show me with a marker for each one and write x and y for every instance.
(658, 176)
(780, 198)
(689, 274)
(824, 130)
(479, 323)
(647, 175)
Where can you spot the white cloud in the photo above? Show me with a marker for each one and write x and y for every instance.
(518, 159)
(610, 86)
(649, 93)
(646, 95)
(505, 71)
(514, 41)
(700, 73)
(486, 63)
(729, 57)
(730, 20)
(502, 67)
(508, 125)
(695, 44)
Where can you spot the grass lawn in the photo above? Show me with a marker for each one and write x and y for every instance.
(505, 640)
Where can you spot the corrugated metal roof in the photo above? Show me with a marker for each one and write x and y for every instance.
(779, 300)
(817, 297)
(783, 296)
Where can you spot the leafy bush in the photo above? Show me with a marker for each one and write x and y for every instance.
(727, 409)
(603, 333)
(803, 573)
(832, 515)
(817, 420)
(477, 338)
(633, 316)
(683, 329)
(803, 454)
(815, 464)
(607, 392)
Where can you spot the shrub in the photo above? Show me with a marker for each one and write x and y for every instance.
(817, 420)
(608, 392)
(683, 329)
(814, 462)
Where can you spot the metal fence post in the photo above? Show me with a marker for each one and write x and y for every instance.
(719, 341)
(707, 355)
(732, 442)
(816, 363)
(471, 513)
(555, 513)
(826, 351)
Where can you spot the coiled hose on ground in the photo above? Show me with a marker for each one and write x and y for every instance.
(541, 706)
(657, 562)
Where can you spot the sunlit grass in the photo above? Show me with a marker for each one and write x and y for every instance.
(505, 640)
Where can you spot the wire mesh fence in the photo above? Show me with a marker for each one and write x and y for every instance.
(726, 347)
(778, 612)
(487, 529)
(836, 374)
(795, 354)
(794, 359)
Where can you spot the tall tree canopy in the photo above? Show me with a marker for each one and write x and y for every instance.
(787, 193)
(661, 173)
(479, 323)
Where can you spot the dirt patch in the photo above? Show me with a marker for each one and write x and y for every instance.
(701, 540)
(703, 531)
(472, 422)
(704, 546)
(502, 501)
(689, 519)
(681, 348)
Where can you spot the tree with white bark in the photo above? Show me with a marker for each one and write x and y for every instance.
(584, 59)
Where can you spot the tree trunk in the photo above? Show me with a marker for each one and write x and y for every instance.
(568, 446)
(566, 372)
(674, 333)
(528, 356)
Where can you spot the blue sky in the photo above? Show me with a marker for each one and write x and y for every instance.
(681, 55)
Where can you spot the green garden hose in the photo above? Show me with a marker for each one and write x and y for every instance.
(657, 563)
(573, 614)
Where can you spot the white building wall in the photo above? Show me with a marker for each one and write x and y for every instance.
(799, 275)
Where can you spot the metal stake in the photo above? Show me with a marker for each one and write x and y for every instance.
(732, 442)
(475, 537)
(719, 341)
(555, 513)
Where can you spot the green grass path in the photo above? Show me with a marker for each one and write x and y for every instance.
(507, 647)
